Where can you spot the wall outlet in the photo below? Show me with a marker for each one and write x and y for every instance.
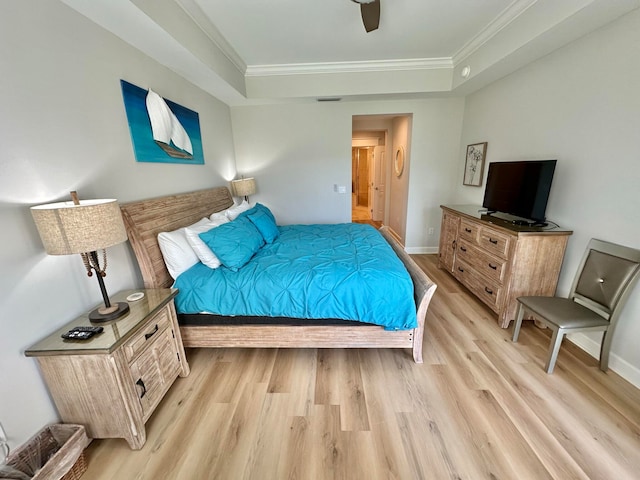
(430, 231)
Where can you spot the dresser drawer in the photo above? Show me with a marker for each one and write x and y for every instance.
(486, 290)
(494, 242)
(160, 322)
(469, 230)
(154, 370)
(491, 266)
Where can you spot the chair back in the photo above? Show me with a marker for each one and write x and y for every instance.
(605, 277)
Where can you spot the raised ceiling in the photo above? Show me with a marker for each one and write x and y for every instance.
(244, 51)
(285, 32)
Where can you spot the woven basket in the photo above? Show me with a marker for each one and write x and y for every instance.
(77, 470)
(56, 452)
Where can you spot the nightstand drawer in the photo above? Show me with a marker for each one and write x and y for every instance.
(147, 334)
(154, 371)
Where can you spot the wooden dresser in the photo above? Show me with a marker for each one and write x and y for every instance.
(114, 381)
(499, 261)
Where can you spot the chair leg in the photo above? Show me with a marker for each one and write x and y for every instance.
(554, 348)
(518, 323)
(604, 350)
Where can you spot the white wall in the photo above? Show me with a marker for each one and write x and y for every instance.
(63, 127)
(580, 105)
(298, 152)
(399, 185)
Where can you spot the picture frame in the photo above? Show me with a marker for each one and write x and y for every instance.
(474, 164)
(145, 146)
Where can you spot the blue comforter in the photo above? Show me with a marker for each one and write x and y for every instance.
(345, 271)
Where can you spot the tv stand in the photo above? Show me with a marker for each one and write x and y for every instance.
(498, 260)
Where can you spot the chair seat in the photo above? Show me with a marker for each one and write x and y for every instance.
(562, 312)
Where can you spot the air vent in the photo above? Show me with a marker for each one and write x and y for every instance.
(329, 99)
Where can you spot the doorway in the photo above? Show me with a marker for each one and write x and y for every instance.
(375, 139)
(365, 167)
(360, 157)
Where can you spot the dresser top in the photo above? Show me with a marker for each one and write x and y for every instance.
(505, 221)
(115, 332)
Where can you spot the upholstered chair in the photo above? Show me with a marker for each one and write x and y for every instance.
(600, 289)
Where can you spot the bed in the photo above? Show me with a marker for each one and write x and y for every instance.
(145, 219)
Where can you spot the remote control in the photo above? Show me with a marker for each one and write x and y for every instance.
(77, 335)
(82, 332)
(83, 328)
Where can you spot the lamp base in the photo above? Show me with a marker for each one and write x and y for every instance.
(104, 314)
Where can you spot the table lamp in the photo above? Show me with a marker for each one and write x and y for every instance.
(243, 187)
(84, 227)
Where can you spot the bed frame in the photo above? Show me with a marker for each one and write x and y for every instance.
(146, 218)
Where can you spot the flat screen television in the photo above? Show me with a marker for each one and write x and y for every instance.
(519, 188)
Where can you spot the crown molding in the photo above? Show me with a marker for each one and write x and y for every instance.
(349, 67)
(198, 16)
(508, 15)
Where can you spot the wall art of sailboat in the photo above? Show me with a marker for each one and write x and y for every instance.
(168, 132)
(162, 131)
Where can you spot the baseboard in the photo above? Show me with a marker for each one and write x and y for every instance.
(421, 250)
(623, 368)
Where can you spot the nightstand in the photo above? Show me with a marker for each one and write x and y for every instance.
(113, 382)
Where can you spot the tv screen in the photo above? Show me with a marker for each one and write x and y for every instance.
(519, 188)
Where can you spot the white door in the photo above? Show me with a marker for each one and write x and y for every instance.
(378, 185)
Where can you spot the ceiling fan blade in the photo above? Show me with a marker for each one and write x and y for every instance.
(370, 15)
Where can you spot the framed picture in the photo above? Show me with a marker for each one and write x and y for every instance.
(162, 131)
(474, 165)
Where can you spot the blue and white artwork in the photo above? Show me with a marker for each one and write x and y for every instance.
(161, 131)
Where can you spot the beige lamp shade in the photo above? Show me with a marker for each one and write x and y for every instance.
(66, 228)
(243, 187)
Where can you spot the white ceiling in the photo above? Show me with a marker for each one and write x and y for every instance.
(305, 31)
(244, 51)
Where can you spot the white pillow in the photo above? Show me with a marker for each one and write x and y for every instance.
(233, 212)
(203, 252)
(215, 217)
(176, 251)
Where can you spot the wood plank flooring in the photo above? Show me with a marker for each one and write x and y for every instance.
(480, 407)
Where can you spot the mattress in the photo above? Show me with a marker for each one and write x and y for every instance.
(338, 271)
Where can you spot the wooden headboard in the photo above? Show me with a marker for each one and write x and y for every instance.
(144, 219)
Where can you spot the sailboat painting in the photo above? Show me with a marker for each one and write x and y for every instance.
(161, 131)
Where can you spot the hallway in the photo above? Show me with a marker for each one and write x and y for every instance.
(362, 214)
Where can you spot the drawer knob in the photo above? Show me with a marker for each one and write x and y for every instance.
(493, 267)
(460, 269)
(463, 249)
(140, 383)
(488, 290)
(491, 240)
(147, 336)
(468, 230)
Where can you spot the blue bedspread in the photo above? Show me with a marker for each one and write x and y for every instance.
(345, 271)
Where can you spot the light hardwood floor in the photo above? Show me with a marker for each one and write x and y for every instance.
(480, 407)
